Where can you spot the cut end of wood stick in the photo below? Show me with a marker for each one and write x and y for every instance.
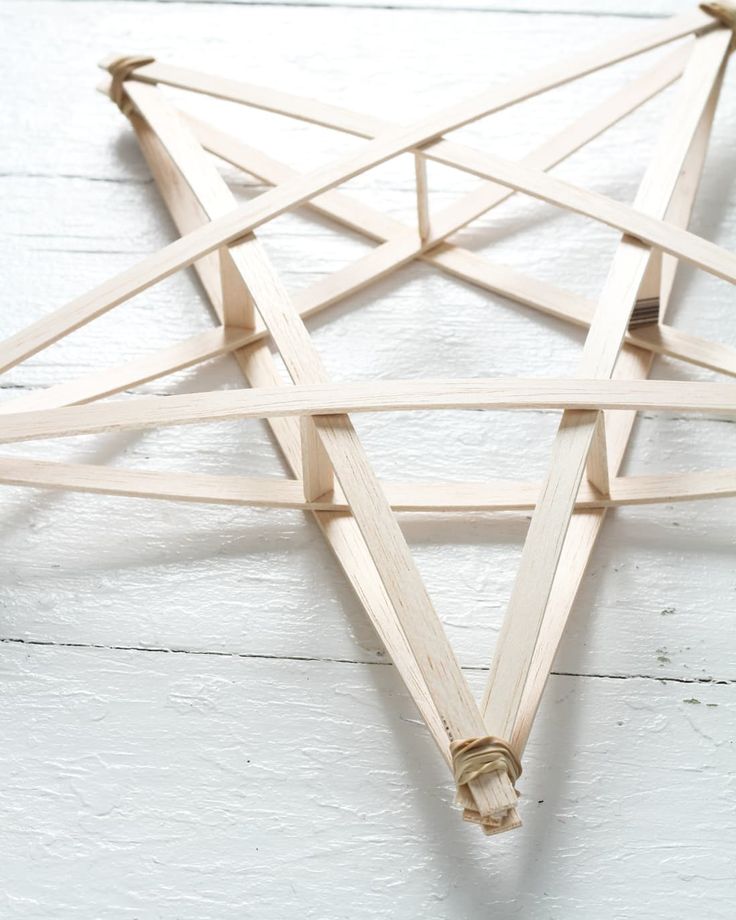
(509, 822)
(104, 86)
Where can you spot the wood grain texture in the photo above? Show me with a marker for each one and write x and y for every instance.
(418, 644)
(238, 222)
(403, 496)
(380, 396)
(130, 761)
(513, 656)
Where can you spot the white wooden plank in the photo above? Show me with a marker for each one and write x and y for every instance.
(147, 771)
(180, 577)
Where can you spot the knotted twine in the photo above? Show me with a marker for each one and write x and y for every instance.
(474, 757)
(120, 69)
(725, 13)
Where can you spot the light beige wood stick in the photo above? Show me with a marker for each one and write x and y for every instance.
(246, 218)
(420, 172)
(464, 264)
(251, 271)
(633, 363)
(403, 242)
(198, 348)
(331, 399)
(317, 473)
(597, 468)
(493, 99)
(237, 304)
(517, 641)
(340, 530)
(434, 497)
(381, 227)
(659, 339)
(425, 636)
(567, 305)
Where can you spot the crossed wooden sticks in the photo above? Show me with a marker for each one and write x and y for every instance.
(310, 419)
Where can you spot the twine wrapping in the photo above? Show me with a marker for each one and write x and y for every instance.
(725, 13)
(474, 757)
(120, 69)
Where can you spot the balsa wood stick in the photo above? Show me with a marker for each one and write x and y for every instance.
(334, 399)
(259, 369)
(246, 259)
(598, 472)
(433, 497)
(404, 244)
(574, 308)
(381, 227)
(419, 622)
(198, 348)
(585, 526)
(242, 220)
(542, 296)
(517, 641)
(339, 529)
(494, 99)
(420, 173)
(224, 292)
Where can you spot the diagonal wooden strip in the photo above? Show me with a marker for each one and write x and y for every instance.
(659, 339)
(453, 259)
(585, 527)
(259, 369)
(107, 381)
(494, 99)
(375, 224)
(404, 243)
(333, 399)
(453, 497)
(234, 225)
(574, 308)
(419, 622)
(517, 641)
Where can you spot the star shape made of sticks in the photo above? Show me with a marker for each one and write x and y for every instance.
(482, 743)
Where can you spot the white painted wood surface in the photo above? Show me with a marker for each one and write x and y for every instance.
(137, 782)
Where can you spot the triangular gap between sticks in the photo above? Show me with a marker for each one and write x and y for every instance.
(368, 542)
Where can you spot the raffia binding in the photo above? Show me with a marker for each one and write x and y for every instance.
(474, 757)
(120, 69)
(725, 13)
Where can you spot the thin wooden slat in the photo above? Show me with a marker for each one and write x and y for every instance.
(259, 369)
(404, 244)
(237, 305)
(598, 472)
(317, 473)
(372, 396)
(420, 173)
(515, 649)
(633, 363)
(251, 282)
(461, 263)
(105, 382)
(574, 308)
(496, 98)
(413, 610)
(242, 220)
(432, 497)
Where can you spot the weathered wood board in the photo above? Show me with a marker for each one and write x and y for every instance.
(126, 785)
